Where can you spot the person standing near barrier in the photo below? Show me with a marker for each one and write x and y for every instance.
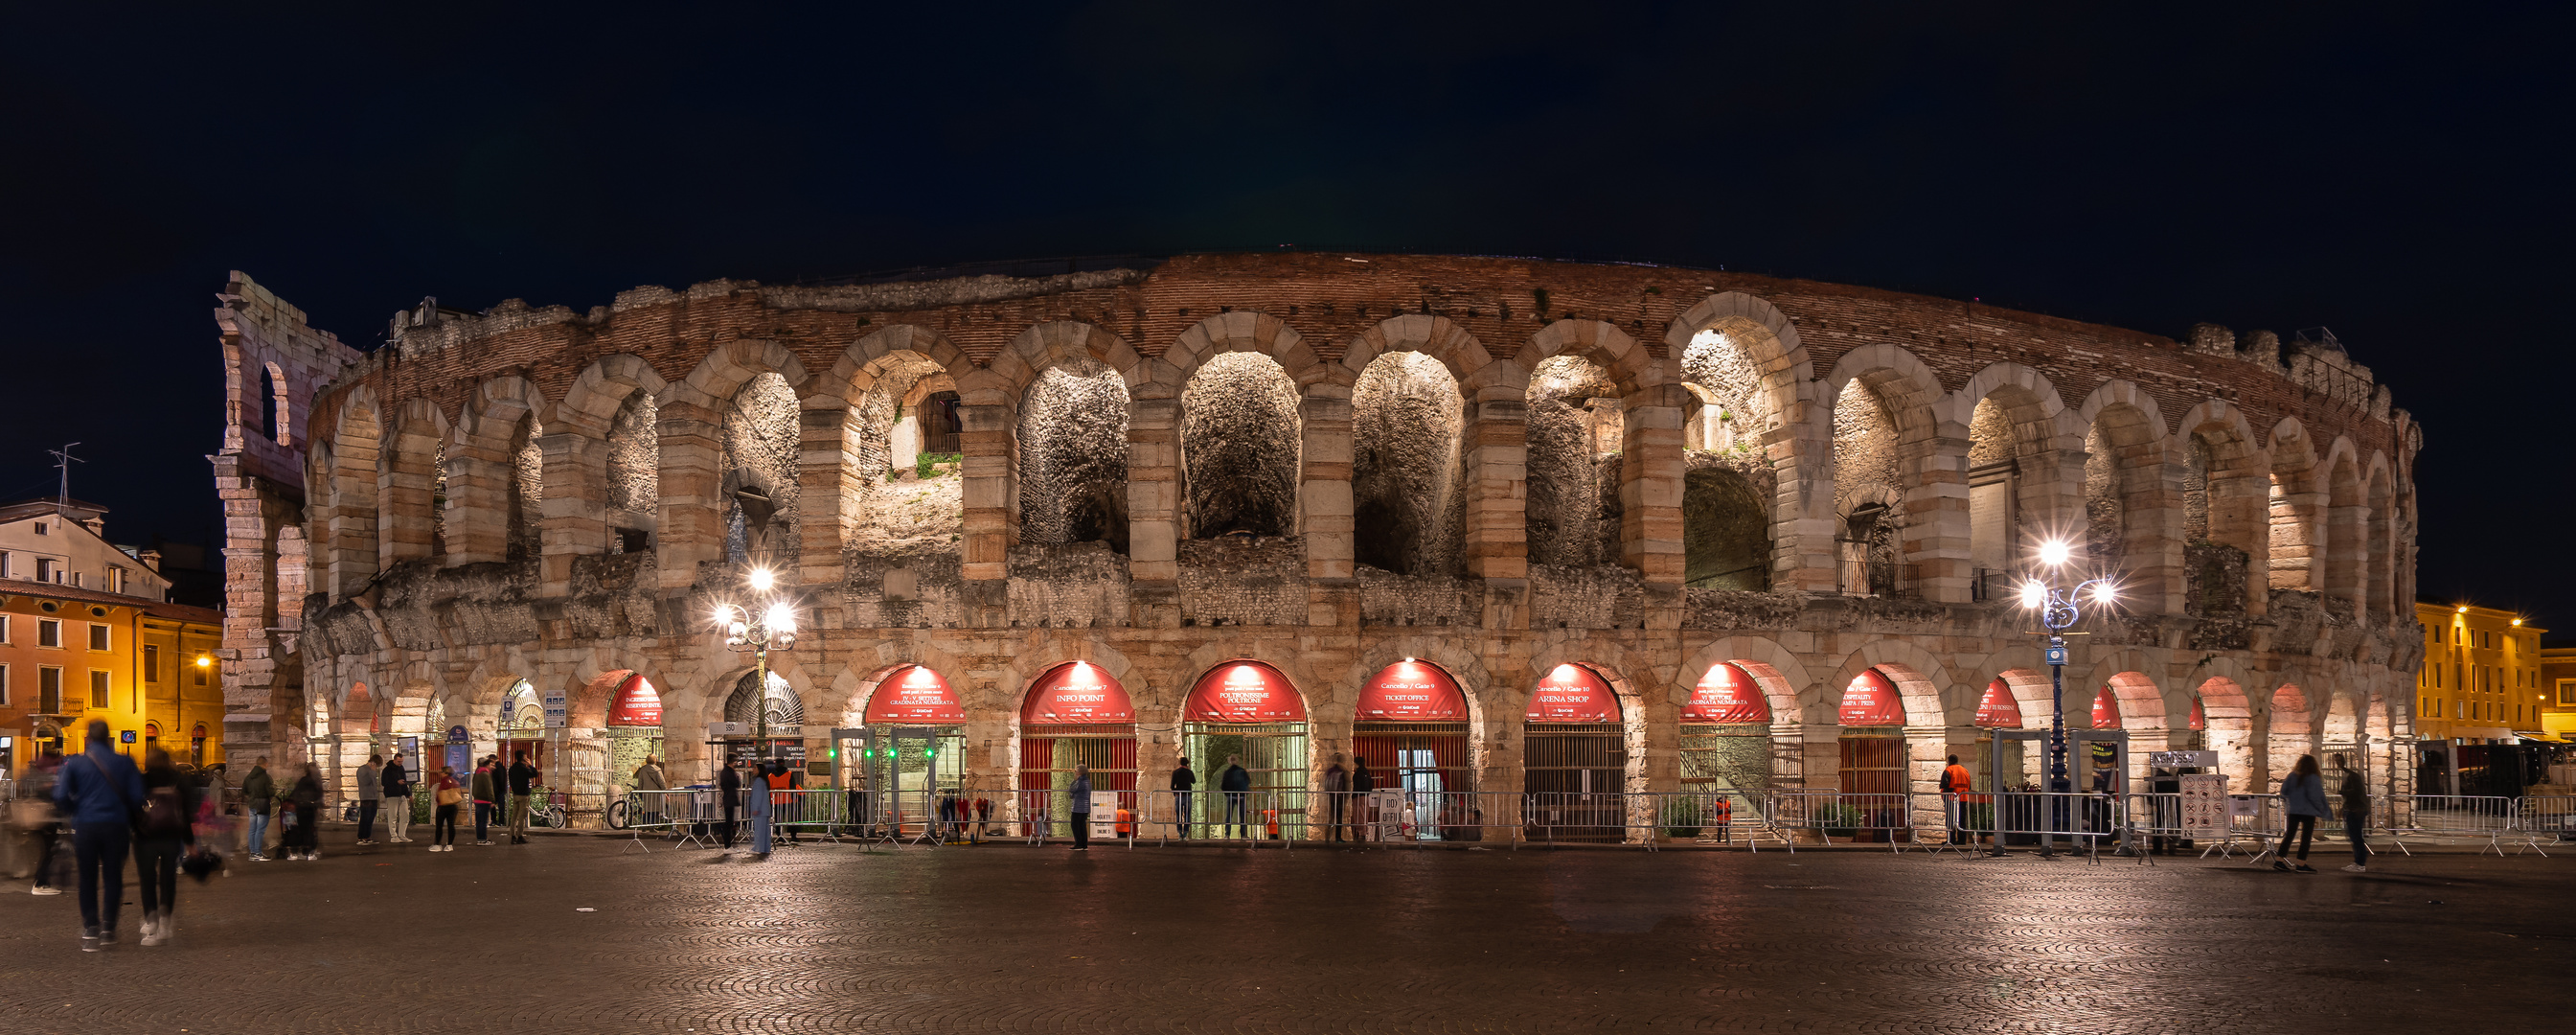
(34, 810)
(648, 788)
(729, 797)
(163, 834)
(444, 797)
(484, 801)
(1337, 793)
(1080, 804)
(259, 798)
(1362, 782)
(2303, 800)
(303, 838)
(1183, 782)
(781, 781)
(500, 792)
(370, 797)
(397, 787)
(755, 807)
(1237, 785)
(2356, 815)
(523, 780)
(1955, 782)
(98, 792)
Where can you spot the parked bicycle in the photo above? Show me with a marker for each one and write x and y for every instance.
(549, 809)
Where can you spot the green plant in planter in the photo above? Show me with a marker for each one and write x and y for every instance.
(1682, 819)
(1836, 820)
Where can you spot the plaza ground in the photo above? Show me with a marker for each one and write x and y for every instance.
(1013, 938)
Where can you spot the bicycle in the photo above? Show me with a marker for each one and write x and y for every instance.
(548, 809)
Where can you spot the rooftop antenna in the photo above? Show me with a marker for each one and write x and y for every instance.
(63, 460)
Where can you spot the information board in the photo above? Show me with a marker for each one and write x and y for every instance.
(556, 709)
(2204, 805)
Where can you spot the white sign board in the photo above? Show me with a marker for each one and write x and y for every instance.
(2244, 806)
(2204, 808)
(556, 709)
(728, 729)
(2182, 759)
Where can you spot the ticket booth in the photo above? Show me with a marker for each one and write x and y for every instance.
(1411, 728)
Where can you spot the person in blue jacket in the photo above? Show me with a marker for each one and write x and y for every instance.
(1236, 783)
(2303, 800)
(98, 793)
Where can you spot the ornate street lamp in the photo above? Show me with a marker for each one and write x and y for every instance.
(2057, 610)
(763, 623)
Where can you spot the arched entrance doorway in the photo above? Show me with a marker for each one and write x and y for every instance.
(1076, 714)
(777, 705)
(1411, 729)
(1726, 737)
(197, 746)
(918, 751)
(1575, 757)
(634, 728)
(522, 726)
(1999, 709)
(1245, 710)
(1872, 774)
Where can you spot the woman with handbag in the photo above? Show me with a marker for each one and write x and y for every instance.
(160, 839)
(444, 796)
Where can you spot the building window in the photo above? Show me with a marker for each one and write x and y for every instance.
(203, 671)
(151, 663)
(2567, 691)
(49, 691)
(4, 629)
(4, 686)
(40, 528)
(97, 636)
(4, 564)
(45, 570)
(97, 689)
(49, 632)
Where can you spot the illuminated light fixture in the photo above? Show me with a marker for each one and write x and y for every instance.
(2033, 594)
(2053, 553)
(207, 662)
(2104, 593)
(2464, 609)
(2517, 621)
(782, 618)
(761, 579)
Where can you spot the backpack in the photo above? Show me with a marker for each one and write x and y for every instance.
(163, 814)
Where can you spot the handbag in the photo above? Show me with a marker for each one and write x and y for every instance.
(449, 796)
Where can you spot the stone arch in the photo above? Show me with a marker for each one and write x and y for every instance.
(495, 488)
(1052, 344)
(2299, 539)
(853, 442)
(1626, 362)
(1931, 698)
(1242, 330)
(1408, 466)
(696, 509)
(1881, 430)
(2225, 480)
(2380, 553)
(276, 416)
(1766, 337)
(1240, 438)
(1774, 668)
(2144, 708)
(1434, 336)
(2022, 463)
(2345, 552)
(1647, 724)
(2127, 507)
(1073, 436)
(1651, 465)
(858, 679)
(411, 510)
(1742, 362)
(350, 521)
(1490, 721)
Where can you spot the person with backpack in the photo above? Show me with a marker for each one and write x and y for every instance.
(1236, 784)
(444, 796)
(259, 798)
(2356, 815)
(370, 798)
(99, 792)
(164, 835)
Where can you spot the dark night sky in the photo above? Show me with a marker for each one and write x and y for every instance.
(2394, 171)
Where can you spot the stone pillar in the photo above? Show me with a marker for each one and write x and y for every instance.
(1935, 535)
(573, 525)
(405, 529)
(479, 476)
(1650, 484)
(2050, 498)
(1324, 482)
(830, 486)
(1497, 443)
(991, 470)
(1154, 510)
(1927, 751)
(1803, 523)
(2152, 516)
(691, 526)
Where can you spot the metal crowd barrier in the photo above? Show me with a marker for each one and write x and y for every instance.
(2460, 815)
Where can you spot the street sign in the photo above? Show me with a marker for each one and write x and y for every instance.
(556, 709)
(728, 729)
(2056, 655)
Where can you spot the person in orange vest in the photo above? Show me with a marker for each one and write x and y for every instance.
(780, 782)
(1271, 817)
(1126, 822)
(1955, 782)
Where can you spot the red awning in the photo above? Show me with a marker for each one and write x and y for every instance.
(635, 703)
(1411, 691)
(1726, 694)
(1245, 691)
(2106, 710)
(1573, 693)
(2198, 720)
(1871, 700)
(915, 695)
(1999, 707)
(1077, 692)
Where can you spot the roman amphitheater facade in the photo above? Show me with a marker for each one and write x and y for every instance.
(1328, 464)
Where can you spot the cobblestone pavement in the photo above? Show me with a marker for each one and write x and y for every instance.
(1012, 938)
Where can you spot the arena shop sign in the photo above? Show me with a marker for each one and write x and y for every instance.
(1574, 694)
(1245, 692)
(1871, 700)
(915, 695)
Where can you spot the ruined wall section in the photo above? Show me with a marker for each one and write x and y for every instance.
(1073, 457)
(1573, 497)
(1239, 448)
(1408, 477)
(1243, 580)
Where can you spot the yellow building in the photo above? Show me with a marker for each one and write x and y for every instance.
(2558, 689)
(2481, 678)
(69, 655)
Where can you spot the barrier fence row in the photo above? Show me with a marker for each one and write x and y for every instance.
(1757, 819)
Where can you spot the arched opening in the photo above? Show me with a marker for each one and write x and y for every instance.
(918, 751)
(521, 726)
(760, 485)
(1408, 474)
(1076, 714)
(1410, 728)
(1869, 494)
(2224, 527)
(1728, 481)
(1998, 709)
(2123, 487)
(1240, 434)
(197, 746)
(413, 526)
(1245, 713)
(1575, 756)
(634, 725)
(1872, 775)
(904, 494)
(778, 706)
(1576, 431)
(1073, 456)
(1994, 489)
(351, 522)
(2106, 710)
(1726, 737)
(634, 473)
(527, 492)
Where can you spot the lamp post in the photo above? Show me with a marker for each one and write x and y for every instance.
(763, 624)
(2057, 612)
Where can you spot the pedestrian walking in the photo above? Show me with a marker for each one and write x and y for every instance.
(34, 812)
(169, 802)
(1337, 796)
(371, 793)
(2356, 815)
(486, 801)
(729, 793)
(444, 796)
(1236, 783)
(523, 779)
(214, 826)
(1362, 782)
(99, 793)
(1080, 793)
(1955, 781)
(303, 838)
(1183, 782)
(397, 798)
(755, 806)
(259, 798)
(2303, 799)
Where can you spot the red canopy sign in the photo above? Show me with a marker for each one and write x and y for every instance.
(1999, 707)
(2198, 721)
(1244, 691)
(2106, 710)
(636, 703)
(915, 695)
(1871, 700)
(1412, 691)
(1726, 694)
(1573, 693)
(1077, 692)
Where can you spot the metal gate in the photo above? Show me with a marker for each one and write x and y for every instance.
(1576, 775)
(1048, 753)
(1429, 762)
(1273, 754)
